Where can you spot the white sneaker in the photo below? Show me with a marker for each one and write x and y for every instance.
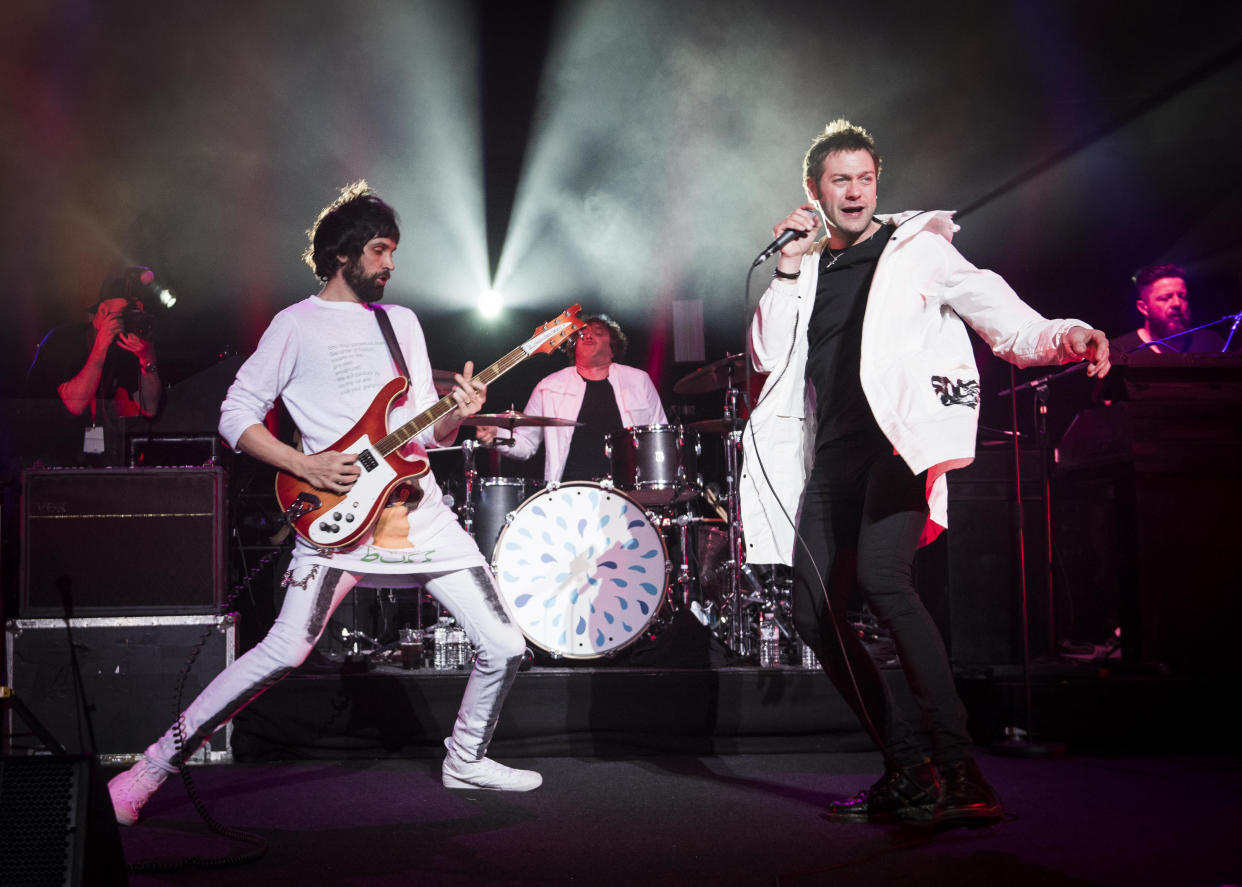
(131, 789)
(487, 774)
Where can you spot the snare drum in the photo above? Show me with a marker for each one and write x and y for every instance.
(656, 464)
(493, 498)
(581, 569)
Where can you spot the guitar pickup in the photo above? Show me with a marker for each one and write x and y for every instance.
(367, 460)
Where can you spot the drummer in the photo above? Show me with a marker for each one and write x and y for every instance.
(601, 395)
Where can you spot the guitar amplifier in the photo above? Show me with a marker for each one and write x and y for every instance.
(122, 541)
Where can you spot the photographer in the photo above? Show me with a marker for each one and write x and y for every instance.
(96, 374)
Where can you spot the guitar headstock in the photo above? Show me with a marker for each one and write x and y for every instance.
(553, 334)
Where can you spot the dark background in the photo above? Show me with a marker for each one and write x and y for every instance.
(622, 155)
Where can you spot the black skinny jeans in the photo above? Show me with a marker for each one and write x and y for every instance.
(862, 517)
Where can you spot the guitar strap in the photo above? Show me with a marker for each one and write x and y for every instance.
(385, 325)
(403, 494)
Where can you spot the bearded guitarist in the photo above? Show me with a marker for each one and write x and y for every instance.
(326, 357)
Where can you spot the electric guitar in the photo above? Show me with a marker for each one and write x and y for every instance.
(332, 520)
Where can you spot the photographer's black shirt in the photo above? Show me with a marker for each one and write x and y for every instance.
(62, 354)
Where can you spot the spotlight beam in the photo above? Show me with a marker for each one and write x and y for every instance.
(515, 38)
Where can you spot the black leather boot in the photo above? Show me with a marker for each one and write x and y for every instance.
(905, 795)
(965, 797)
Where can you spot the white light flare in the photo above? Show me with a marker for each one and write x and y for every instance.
(491, 303)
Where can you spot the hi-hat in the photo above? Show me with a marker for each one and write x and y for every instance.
(712, 377)
(516, 419)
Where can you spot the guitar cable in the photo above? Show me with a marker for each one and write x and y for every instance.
(258, 844)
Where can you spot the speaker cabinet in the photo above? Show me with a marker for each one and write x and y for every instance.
(130, 666)
(57, 824)
(122, 541)
(971, 578)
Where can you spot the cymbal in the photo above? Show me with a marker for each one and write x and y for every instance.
(712, 377)
(516, 419)
(717, 426)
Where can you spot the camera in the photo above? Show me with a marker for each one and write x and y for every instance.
(137, 322)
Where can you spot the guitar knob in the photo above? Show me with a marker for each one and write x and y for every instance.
(336, 528)
(336, 515)
(323, 525)
(349, 518)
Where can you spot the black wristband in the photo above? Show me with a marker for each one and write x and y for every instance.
(784, 275)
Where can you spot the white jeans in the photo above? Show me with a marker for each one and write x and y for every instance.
(313, 593)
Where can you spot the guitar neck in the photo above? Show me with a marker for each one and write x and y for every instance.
(399, 437)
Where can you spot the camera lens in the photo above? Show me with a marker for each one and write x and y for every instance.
(137, 322)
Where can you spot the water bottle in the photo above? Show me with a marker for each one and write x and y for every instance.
(459, 648)
(442, 654)
(769, 640)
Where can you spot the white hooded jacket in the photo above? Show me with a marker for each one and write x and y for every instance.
(917, 371)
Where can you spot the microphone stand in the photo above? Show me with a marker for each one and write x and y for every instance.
(1013, 744)
(1236, 318)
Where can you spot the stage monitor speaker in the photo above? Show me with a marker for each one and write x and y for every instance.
(122, 541)
(57, 824)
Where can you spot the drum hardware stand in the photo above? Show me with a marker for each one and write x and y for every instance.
(713, 377)
(739, 637)
(356, 656)
(685, 581)
(471, 476)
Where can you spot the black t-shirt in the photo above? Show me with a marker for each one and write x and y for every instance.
(61, 356)
(600, 417)
(834, 336)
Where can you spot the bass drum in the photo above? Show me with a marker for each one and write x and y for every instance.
(581, 570)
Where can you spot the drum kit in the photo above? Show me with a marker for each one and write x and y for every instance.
(584, 566)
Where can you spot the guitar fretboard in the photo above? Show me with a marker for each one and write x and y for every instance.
(399, 437)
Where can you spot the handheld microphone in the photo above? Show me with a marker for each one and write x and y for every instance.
(774, 247)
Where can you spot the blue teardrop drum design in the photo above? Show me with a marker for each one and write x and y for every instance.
(581, 569)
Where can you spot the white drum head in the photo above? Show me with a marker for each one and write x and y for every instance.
(581, 569)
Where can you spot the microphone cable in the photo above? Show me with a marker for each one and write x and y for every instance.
(754, 449)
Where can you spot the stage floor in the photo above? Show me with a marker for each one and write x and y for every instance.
(754, 819)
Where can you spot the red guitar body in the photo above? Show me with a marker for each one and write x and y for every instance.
(332, 520)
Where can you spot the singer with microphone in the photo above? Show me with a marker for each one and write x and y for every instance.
(95, 374)
(872, 395)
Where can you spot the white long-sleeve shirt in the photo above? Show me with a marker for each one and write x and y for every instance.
(560, 395)
(327, 361)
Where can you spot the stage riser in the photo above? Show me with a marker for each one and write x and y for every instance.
(554, 711)
(597, 712)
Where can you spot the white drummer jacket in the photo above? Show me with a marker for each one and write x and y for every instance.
(917, 371)
(560, 395)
